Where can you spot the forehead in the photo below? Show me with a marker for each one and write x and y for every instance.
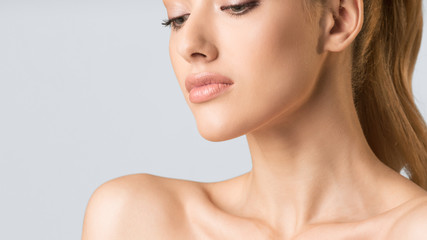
(167, 3)
(174, 1)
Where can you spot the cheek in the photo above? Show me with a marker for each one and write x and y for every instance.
(276, 64)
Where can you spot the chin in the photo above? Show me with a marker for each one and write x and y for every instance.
(217, 131)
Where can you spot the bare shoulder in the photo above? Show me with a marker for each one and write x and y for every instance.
(139, 206)
(412, 224)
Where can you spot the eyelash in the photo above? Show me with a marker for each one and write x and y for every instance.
(175, 26)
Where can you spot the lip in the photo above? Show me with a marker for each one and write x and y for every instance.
(205, 86)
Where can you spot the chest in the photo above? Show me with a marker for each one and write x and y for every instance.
(342, 231)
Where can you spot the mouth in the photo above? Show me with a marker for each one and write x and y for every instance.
(206, 86)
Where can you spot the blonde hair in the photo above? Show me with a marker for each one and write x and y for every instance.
(384, 56)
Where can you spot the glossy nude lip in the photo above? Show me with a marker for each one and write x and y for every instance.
(205, 86)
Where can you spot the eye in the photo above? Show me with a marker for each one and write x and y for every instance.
(240, 9)
(236, 10)
(176, 22)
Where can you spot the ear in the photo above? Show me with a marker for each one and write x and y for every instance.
(344, 20)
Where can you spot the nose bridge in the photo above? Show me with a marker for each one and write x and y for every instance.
(197, 41)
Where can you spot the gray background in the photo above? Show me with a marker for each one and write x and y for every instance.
(87, 94)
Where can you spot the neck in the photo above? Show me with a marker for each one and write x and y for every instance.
(310, 162)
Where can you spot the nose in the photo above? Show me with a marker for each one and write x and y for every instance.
(197, 41)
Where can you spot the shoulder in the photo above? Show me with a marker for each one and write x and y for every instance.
(412, 224)
(133, 206)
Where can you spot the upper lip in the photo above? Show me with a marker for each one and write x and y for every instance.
(205, 78)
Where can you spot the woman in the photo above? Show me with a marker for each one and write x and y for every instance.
(322, 91)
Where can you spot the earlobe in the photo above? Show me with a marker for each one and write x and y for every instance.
(345, 20)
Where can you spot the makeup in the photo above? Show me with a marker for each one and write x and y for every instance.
(206, 86)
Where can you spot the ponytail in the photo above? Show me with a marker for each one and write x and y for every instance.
(384, 56)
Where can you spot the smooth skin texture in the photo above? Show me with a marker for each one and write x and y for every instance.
(314, 175)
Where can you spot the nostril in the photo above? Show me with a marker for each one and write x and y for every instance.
(198, 54)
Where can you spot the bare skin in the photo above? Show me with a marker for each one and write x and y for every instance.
(314, 175)
(145, 206)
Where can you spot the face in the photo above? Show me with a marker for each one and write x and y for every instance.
(268, 48)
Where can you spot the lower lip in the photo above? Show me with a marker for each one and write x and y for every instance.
(207, 92)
